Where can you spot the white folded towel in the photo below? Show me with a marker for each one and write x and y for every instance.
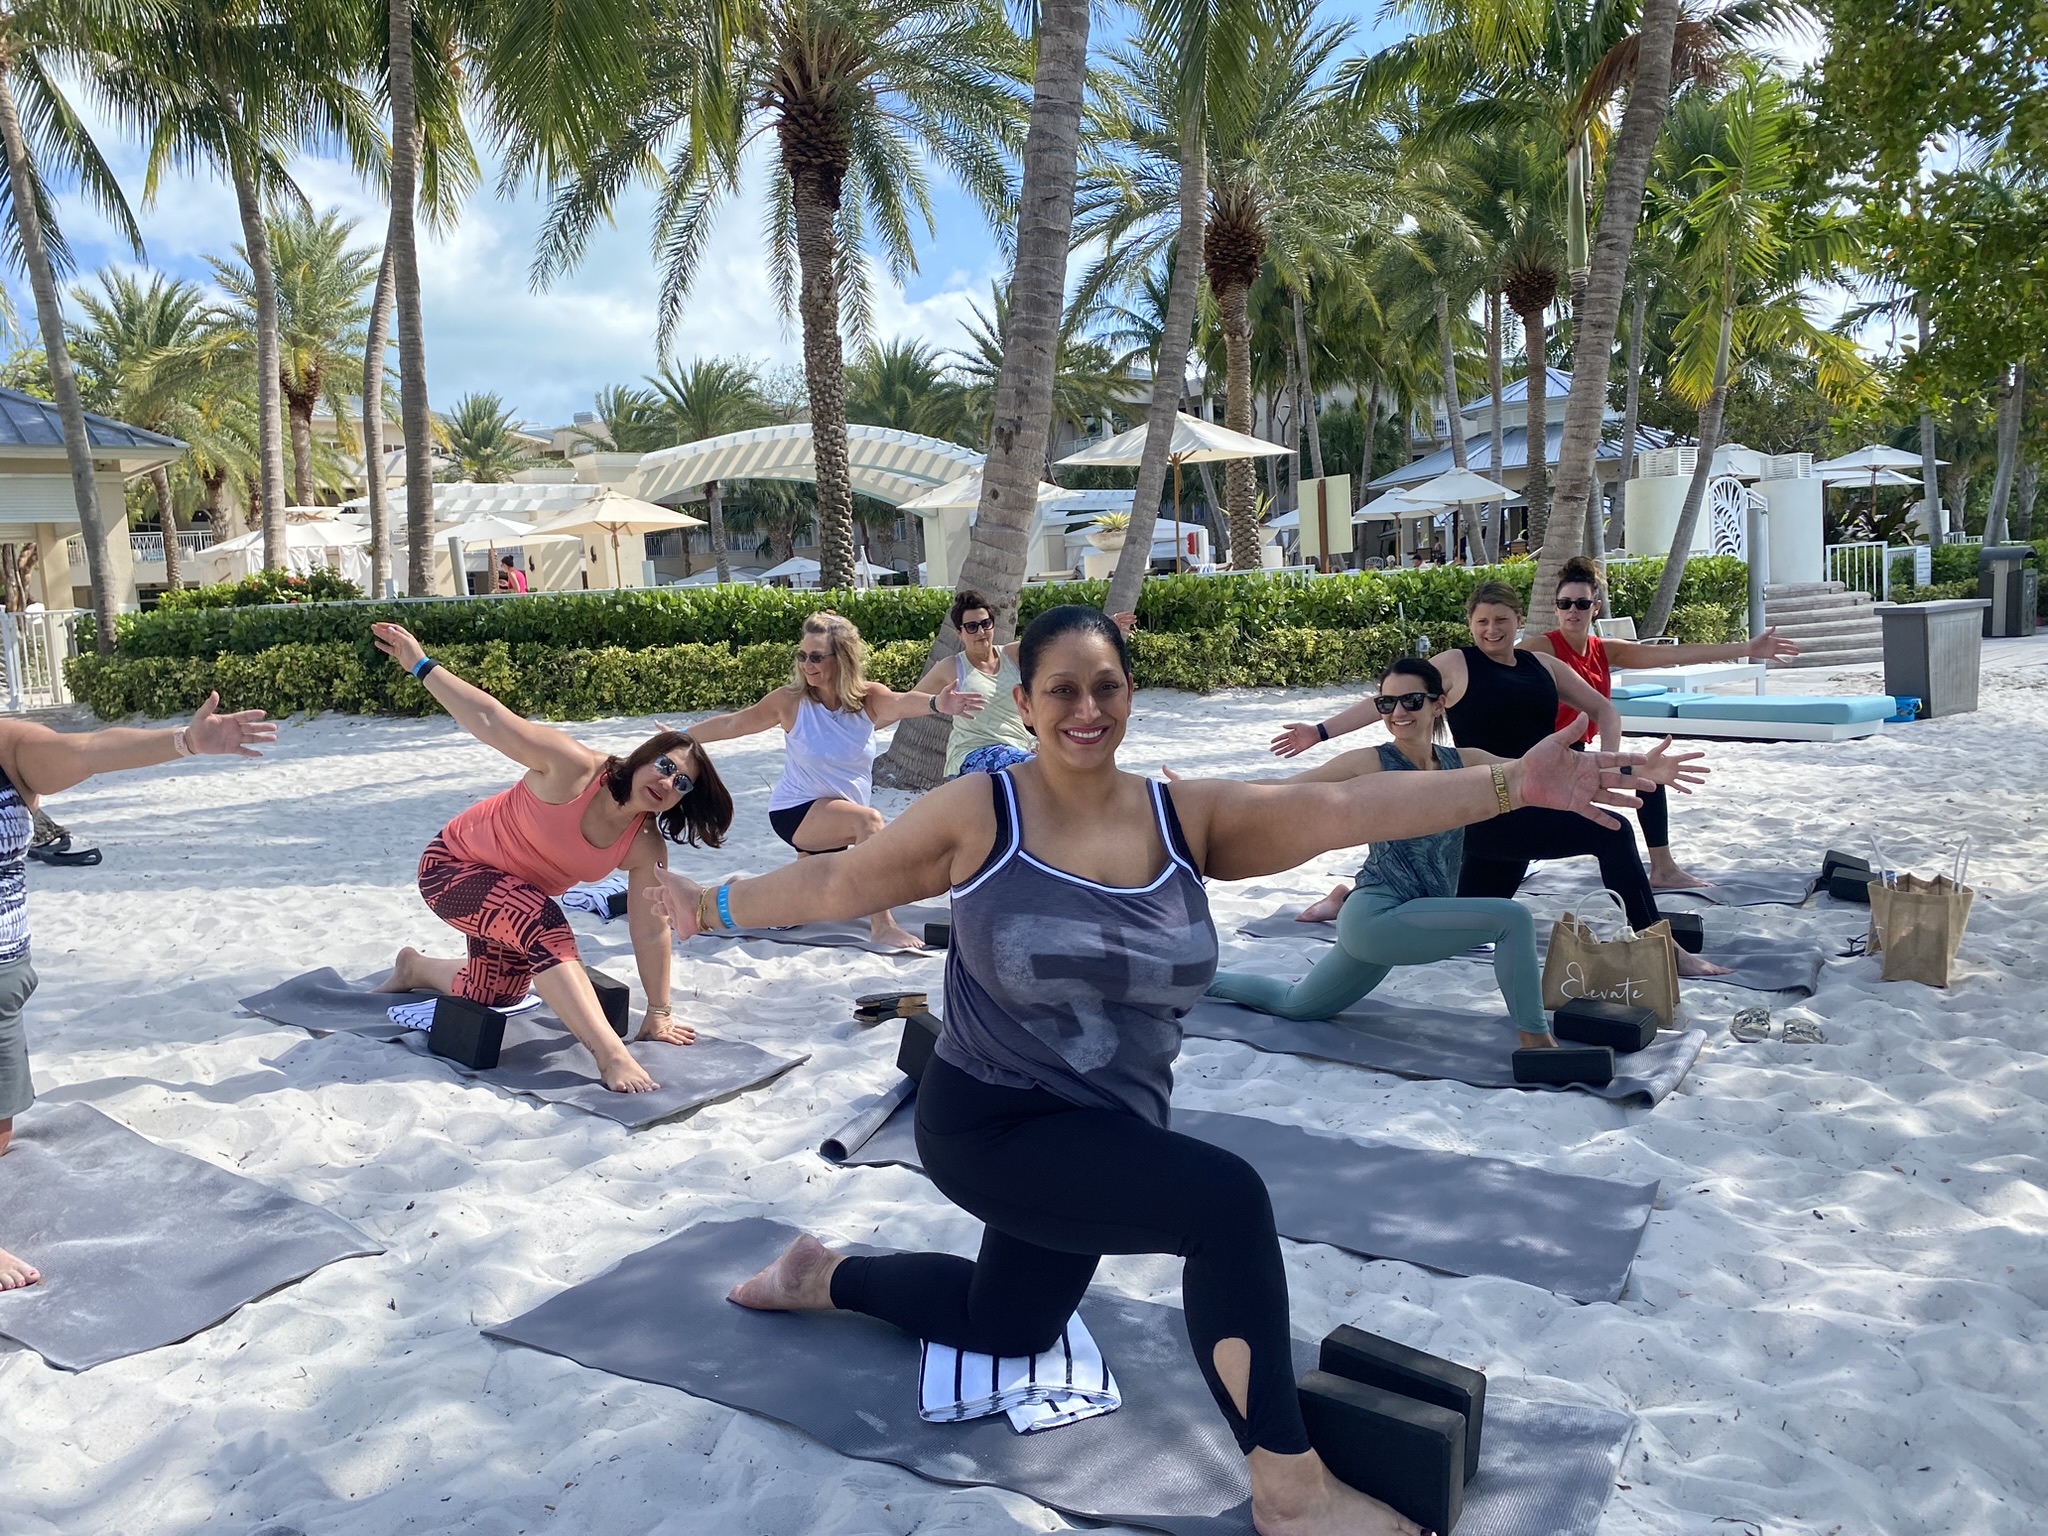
(1063, 1385)
(597, 896)
(420, 1015)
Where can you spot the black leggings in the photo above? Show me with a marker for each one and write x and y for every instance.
(1654, 813)
(1058, 1186)
(1498, 854)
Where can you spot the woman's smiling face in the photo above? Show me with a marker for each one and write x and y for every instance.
(1080, 701)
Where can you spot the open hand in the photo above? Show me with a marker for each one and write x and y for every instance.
(1675, 770)
(1768, 647)
(1125, 622)
(212, 734)
(1551, 774)
(1295, 739)
(397, 642)
(675, 896)
(957, 704)
(666, 1028)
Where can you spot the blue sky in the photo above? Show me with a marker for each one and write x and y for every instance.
(548, 353)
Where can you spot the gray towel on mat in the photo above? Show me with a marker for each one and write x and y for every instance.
(1731, 887)
(1164, 1461)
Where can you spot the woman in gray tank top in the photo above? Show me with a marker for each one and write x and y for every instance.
(1404, 908)
(1081, 935)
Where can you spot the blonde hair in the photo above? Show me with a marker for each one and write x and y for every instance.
(850, 653)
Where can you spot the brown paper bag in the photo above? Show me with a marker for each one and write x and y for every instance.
(1917, 922)
(1636, 969)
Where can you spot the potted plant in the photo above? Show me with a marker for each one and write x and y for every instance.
(1110, 530)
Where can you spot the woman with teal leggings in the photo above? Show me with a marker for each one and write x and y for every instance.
(1402, 910)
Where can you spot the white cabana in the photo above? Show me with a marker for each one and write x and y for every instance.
(804, 573)
(310, 543)
(888, 465)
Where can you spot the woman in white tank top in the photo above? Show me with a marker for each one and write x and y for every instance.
(830, 712)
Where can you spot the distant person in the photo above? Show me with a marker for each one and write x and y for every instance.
(510, 577)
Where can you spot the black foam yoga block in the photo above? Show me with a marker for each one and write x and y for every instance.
(1407, 1454)
(1838, 863)
(614, 903)
(1688, 930)
(1373, 1361)
(616, 999)
(1615, 1025)
(1566, 1064)
(920, 1034)
(938, 935)
(1851, 885)
(466, 1032)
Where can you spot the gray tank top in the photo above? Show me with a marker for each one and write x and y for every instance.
(1416, 867)
(1058, 983)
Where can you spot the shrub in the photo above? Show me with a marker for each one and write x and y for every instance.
(1935, 592)
(321, 585)
(1703, 624)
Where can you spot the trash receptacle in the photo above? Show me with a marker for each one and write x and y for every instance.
(1932, 651)
(2009, 576)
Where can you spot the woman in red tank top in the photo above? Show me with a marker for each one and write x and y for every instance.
(1579, 599)
(495, 870)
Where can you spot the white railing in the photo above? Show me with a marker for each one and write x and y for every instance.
(1966, 538)
(149, 547)
(33, 650)
(1861, 568)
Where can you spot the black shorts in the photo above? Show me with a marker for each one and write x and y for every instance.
(788, 819)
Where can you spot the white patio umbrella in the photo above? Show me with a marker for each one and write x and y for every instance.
(614, 513)
(966, 492)
(799, 569)
(1195, 441)
(1455, 488)
(1872, 456)
(1872, 478)
(489, 528)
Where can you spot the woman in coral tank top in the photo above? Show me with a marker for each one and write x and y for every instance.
(495, 870)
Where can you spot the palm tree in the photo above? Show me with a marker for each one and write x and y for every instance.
(711, 397)
(858, 97)
(38, 43)
(1090, 385)
(321, 286)
(482, 438)
(1531, 252)
(144, 349)
(903, 385)
(630, 420)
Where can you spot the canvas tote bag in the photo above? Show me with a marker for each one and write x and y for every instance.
(1917, 921)
(1637, 969)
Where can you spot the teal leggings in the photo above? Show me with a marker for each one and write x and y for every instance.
(1376, 932)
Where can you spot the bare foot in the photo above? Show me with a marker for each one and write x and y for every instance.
(799, 1281)
(1325, 910)
(625, 1075)
(405, 972)
(16, 1273)
(1665, 875)
(1690, 964)
(889, 933)
(1543, 1042)
(668, 1029)
(1304, 1499)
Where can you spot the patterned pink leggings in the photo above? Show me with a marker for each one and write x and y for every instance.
(515, 929)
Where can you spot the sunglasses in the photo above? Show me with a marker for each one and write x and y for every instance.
(677, 776)
(814, 658)
(1580, 603)
(1387, 703)
(977, 626)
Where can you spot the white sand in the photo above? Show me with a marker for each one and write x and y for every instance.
(1835, 1324)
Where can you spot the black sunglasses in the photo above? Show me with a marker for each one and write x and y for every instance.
(814, 658)
(1387, 703)
(1580, 603)
(678, 776)
(977, 626)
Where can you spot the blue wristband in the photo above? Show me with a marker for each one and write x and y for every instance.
(423, 666)
(725, 906)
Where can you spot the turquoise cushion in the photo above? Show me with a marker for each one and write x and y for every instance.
(1636, 691)
(1797, 709)
(1657, 706)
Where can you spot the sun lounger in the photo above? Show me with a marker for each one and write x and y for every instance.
(1762, 717)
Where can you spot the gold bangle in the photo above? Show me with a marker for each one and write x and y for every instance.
(1500, 788)
(706, 920)
(661, 1009)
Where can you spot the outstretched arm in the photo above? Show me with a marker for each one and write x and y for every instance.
(539, 747)
(648, 923)
(779, 708)
(41, 761)
(1581, 695)
(1764, 647)
(885, 706)
(1297, 737)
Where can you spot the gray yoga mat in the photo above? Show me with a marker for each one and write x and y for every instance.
(1163, 1461)
(540, 1058)
(1757, 961)
(846, 935)
(141, 1246)
(1567, 1233)
(1731, 887)
(1444, 1043)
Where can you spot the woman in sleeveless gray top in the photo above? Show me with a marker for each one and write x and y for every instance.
(1403, 910)
(1081, 935)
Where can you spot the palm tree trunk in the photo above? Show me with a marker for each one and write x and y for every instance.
(1703, 470)
(1537, 435)
(1169, 380)
(167, 519)
(1930, 470)
(299, 412)
(1311, 417)
(1631, 416)
(1449, 357)
(1001, 538)
(2012, 390)
(1240, 489)
(35, 256)
(1594, 321)
(714, 514)
(373, 428)
(1493, 517)
(817, 252)
(269, 387)
(401, 245)
(2029, 489)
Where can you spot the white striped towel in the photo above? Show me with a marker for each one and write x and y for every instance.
(1064, 1385)
(420, 1015)
(604, 897)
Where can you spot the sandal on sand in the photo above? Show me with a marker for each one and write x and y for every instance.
(64, 853)
(1803, 1032)
(1752, 1024)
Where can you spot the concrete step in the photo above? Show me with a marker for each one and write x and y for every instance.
(1810, 659)
(1861, 617)
(1817, 602)
(1777, 589)
(1832, 645)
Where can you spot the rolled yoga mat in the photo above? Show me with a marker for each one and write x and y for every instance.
(1567, 1233)
(540, 1058)
(1450, 1044)
(141, 1246)
(1758, 962)
(1164, 1460)
(1731, 887)
(847, 935)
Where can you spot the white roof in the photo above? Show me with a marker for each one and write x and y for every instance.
(1873, 456)
(1456, 487)
(513, 498)
(800, 569)
(888, 465)
(1195, 441)
(966, 492)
